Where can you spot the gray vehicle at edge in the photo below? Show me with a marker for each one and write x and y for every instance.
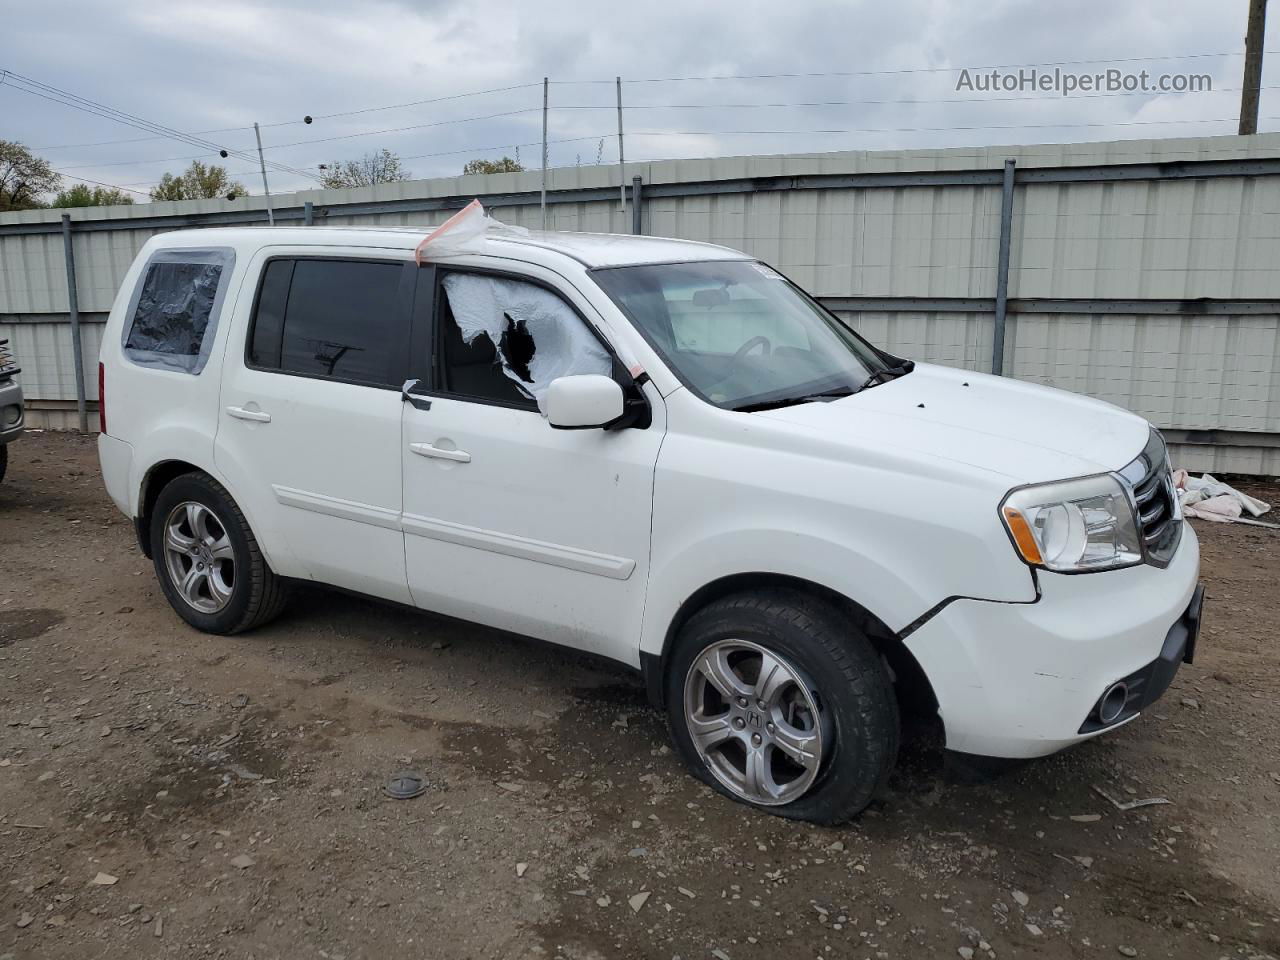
(11, 419)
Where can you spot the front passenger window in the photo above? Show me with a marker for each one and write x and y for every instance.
(504, 341)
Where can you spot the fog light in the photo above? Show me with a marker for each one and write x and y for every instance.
(12, 414)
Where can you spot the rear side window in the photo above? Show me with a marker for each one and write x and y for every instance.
(174, 311)
(337, 319)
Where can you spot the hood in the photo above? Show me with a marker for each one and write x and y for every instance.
(1022, 431)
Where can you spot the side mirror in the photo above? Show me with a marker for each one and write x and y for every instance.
(583, 401)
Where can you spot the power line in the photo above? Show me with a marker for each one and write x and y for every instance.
(113, 186)
(1013, 126)
(444, 153)
(414, 103)
(760, 76)
(505, 146)
(416, 126)
(319, 116)
(898, 101)
(902, 70)
(669, 106)
(68, 99)
(109, 113)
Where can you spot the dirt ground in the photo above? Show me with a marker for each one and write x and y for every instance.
(232, 787)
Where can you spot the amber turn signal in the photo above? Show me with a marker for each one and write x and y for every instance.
(1022, 535)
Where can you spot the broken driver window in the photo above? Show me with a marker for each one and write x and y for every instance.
(506, 340)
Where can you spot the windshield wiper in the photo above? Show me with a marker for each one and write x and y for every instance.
(790, 401)
(891, 373)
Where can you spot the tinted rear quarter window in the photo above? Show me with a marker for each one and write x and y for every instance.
(338, 319)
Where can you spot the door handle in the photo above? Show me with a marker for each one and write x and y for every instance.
(427, 450)
(257, 416)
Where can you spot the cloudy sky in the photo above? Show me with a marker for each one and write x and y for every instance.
(699, 79)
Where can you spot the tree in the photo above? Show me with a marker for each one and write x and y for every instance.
(505, 165)
(381, 167)
(24, 178)
(82, 195)
(198, 182)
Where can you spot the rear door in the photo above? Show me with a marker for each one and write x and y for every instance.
(508, 521)
(309, 431)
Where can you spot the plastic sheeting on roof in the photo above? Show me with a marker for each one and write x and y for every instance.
(465, 232)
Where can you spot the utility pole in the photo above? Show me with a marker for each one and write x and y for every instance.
(1252, 67)
(262, 164)
(622, 163)
(543, 198)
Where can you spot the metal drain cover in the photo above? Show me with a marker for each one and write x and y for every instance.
(405, 785)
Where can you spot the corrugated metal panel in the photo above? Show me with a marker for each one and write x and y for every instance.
(44, 352)
(1192, 373)
(1189, 373)
(952, 339)
(1174, 239)
(1251, 461)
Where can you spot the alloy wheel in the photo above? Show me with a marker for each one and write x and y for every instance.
(755, 721)
(199, 556)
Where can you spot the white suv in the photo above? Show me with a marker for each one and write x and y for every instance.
(663, 452)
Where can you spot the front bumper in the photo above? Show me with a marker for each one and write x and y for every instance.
(1023, 680)
(11, 413)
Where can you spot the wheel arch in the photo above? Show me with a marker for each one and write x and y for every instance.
(158, 476)
(163, 472)
(911, 684)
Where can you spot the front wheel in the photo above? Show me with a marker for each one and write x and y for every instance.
(777, 701)
(207, 559)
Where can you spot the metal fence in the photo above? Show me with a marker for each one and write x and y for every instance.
(1146, 273)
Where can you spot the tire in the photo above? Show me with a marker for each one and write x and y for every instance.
(825, 666)
(4, 459)
(231, 588)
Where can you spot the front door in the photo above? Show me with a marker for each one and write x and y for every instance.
(310, 419)
(508, 521)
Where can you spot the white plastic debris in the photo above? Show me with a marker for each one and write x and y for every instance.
(1210, 499)
(467, 231)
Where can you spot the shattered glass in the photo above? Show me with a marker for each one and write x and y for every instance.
(174, 310)
(537, 336)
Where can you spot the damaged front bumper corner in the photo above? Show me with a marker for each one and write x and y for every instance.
(1023, 680)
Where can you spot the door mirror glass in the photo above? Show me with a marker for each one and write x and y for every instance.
(583, 401)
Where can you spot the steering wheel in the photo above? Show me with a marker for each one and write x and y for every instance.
(741, 353)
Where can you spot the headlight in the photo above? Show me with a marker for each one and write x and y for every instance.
(1073, 526)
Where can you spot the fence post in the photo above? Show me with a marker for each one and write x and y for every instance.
(73, 304)
(542, 202)
(637, 227)
(1002, 268)
(308, 213)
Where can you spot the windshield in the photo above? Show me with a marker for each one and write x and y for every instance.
(739, 334)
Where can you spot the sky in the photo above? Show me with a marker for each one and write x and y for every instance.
(699, 79)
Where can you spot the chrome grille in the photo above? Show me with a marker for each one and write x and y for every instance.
(8, 366)
(1159, 522)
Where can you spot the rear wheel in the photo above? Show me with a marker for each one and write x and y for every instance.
(776, 700)
(207, 559)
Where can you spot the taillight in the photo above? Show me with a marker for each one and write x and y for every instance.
(102, 398)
